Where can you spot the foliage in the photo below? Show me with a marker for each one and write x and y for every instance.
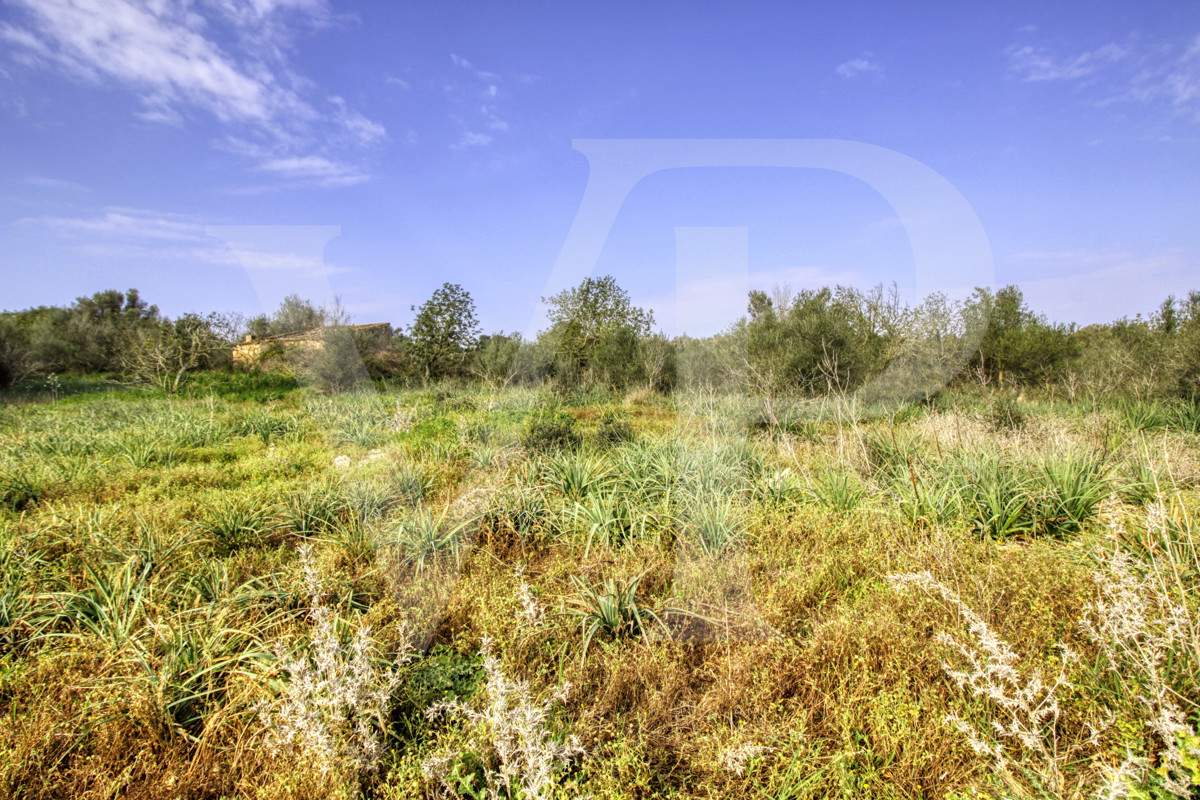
(1018, 345)
(548, 431)
(337, 365)
(595, 333)
(612, 609)
(444, 332)
(164, 354)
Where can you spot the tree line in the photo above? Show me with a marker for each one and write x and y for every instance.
(812, 342)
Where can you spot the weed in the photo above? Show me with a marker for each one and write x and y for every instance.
(838, 490)
(515, 723)
(612, 609)
(236, 524)
(1006, 415)
(1024, 727)
(335, 708)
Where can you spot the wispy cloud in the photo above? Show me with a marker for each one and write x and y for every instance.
(174, 240)
(315, 168)
(1098, 285)
(1038, 64)
(858, 66)
(1138, 70)
(477, 93)
(44, 182)
(171, 56)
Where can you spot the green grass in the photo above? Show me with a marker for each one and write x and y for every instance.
(708, 574)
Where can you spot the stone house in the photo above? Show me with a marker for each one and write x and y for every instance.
(252, 348)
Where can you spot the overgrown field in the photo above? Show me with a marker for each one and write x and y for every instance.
(465, 593)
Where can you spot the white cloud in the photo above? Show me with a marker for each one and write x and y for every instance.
(473, 139)
(317, 168)
(1139, 70)
(169, 56)
(857, 66)
(121, 223)
(55, 183)
(478, 99)
(1091, 285)
(174, 240)
(1177, 80)
(1036, 64)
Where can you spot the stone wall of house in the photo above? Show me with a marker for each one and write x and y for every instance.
(248, 352)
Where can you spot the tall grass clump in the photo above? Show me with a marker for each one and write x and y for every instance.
(186, 670)
(576, 475)
(235, 524)
(426, 537)
(315, 509)
(1074, 489)
(20, 487)
(839, 490)
(612, 609)
(710, 525)
(611, 519)
(997, 497)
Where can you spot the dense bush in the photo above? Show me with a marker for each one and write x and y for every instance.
(547, 431)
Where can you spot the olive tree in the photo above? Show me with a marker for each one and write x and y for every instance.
(595, 333)
(444, 332)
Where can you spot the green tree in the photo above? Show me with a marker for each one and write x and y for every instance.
(1018, 345)
(444, 332)
(165, 353)
(595, 333)
(495, 358)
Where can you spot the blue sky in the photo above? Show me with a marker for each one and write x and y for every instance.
(218, 154)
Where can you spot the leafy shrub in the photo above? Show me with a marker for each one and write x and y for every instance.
(337, 366)
(615, 429)
(1006, 415)
(444, 675)
(550, 431)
